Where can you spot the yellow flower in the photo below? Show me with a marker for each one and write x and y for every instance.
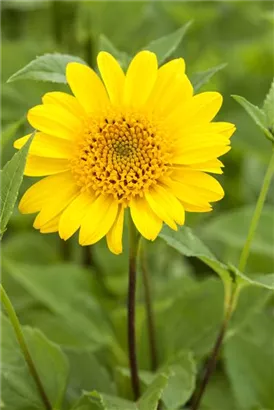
(140, 140)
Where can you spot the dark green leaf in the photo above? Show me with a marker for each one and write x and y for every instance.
(11, 179)
(201, 78)
(163, 47)
(49, 67)
(18, 388)
(107, 402)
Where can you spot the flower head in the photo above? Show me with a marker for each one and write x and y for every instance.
(140, 140)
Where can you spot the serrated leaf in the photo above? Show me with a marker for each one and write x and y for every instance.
(201, 78)
(150, 398)
(258, 115)
(106, 45)
(163, 47)
(268, 107)
(18, 388)
(11, 179)
(49, 67)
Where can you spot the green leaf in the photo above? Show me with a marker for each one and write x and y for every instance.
(107, 402)
(70, 297)
(106, 45)
(18, 388)
(185, 242)
(49, 67)
(268, 107)
(250, 363)
(258, 115)
(264, 281)
(163, 47)
(181, 381)
(201, 78)
(152, 395)
(12, 176)
(218, 394)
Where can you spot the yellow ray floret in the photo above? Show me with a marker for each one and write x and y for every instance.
(139, 140)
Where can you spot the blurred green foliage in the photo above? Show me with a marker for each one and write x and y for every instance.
(76, 296)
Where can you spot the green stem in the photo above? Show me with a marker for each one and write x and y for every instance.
(133, 247)
(148, 307)
(20, 337)
(257, 213)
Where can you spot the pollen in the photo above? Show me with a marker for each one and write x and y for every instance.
(120, 155)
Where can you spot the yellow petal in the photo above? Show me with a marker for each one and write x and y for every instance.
(214, 166)
(40, 166)
(226, 129)
(87, 87)
(64, 100)
(41, 192)
(145, 220)
(115, 234)
(195, 187)
(140, 79)
(200, 154)
(113, 76)
(54, 120)
(58, 201)
(72, 216)
(172, 87)
(98, 220)
(195, 208)
(51, 226)
(159, 209)
(44, 145)
(201, 109)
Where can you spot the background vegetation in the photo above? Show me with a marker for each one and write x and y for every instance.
(77, 296)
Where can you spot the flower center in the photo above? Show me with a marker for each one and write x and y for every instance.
(120, 155)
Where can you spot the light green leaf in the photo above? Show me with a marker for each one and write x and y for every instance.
(11, 179)
(250, 367)
(70, 297)
(201, 78)
(152, 395)
(181, 381)
(163, 47)
(256, 114)
(107, 402)
(106, 45)
(18, 388)
(49, 67)
(268, 107)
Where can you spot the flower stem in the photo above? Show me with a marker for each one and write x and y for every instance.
(20, 337)
(257, 213)
(148, 307)
(133, 247)
(231, 305)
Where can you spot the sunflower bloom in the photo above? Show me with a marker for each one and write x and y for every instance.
(140, 140)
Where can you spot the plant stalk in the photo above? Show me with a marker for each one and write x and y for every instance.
(148, 307)
(257, 213)
(22, 343)
(133, 248)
